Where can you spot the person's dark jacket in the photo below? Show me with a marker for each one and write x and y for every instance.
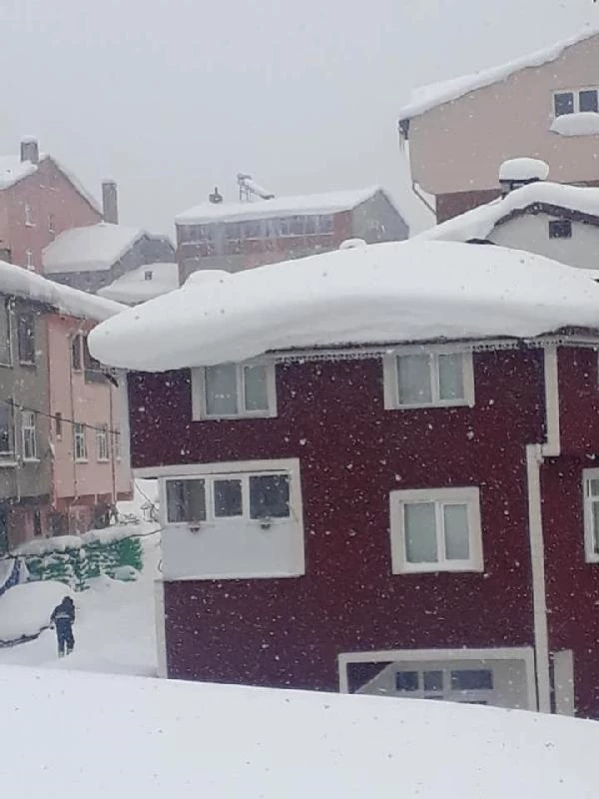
(64, 613)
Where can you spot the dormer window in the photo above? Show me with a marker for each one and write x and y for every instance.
(148, 274)
(575, 101)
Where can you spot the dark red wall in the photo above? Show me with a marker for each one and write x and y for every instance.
(353, 453)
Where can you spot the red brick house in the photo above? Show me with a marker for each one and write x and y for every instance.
(377, 473)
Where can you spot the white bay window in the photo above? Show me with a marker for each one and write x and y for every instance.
(229, 391)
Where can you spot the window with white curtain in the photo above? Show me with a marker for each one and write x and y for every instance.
(436, 530)
(229, 391)
(418, 379)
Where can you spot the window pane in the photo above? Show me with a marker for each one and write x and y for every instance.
(595, 518)
(451, 376)
(4, 334)
(269, 496)
(560, 229)
(6, 429)
(594, 487)
(420, 532)
(221, 390)
(433, 680)
(185, 501)
(26, 336)
(472, 680)
(256, 388)
(455, 522)
(227, 498)
(587, 100)
(414, 381)
(563, 103)
(406, 681)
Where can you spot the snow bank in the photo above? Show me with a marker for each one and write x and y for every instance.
(134, 286)
(523, 169)
(432, 95)
(381, 293)
(479, 222)
(90, 248)
(62, 543)
(584, 123)
(74, 735)
(25, 609)
(329, 203)
(21, 282)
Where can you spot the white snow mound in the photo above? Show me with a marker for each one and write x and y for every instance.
(584, 123)
(26, 609)
(383, 293)
(523, 169)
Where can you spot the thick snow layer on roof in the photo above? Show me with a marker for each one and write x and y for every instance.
(432, 95)
(584, 123)
(479, 222)
(329, 203)
(12, 169)
(79, 735)
(393, 292)
(20, 282)
(135, 286)
(523, 169)
(93, 248)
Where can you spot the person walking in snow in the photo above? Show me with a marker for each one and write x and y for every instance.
(62, 619)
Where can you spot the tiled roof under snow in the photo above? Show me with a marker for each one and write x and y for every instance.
(93, 248)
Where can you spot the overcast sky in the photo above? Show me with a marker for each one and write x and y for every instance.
(171, 97)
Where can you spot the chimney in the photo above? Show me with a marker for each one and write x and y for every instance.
(30, 150)
(110, 205)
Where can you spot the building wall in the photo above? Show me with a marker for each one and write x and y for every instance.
(48, 192)
(353, 453)
(530, 232)
(508, 119)
(377, 220)
(91, 403)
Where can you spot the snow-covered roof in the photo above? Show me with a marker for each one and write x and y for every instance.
(432, 95)
(74, 734)
(21, 282)
(523, 169)
(303, 205)
(93, 248)
(479, 222)
(381, 293)
(135, 286)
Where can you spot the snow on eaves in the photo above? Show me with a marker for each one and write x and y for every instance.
(480, 222)
(20, 282)
(584, 123)
(427, 97)
(328, 203)
(92, 248)
(378, 294)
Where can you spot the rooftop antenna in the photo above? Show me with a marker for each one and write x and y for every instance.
(249, 189)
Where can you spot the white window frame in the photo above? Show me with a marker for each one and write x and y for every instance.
(29, 259)
(210, 478)
(391, 378)
(28, 216)
(198, 394)
(575, 92)
(80, 435)
(116, 443)
(469, 496)
(28, 436)
(591, 553)
(8, 457)
(102, 445)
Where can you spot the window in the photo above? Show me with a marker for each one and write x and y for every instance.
(467, 685)
(29, 437)
(575, 101)
(234, 390)
(560, 229)
(102, 452)
(5, 334)
(58, 424)
(51, 224)
(249, 497)
(591, 514)
(37, 524)
(435, 530)
(80, 442)
(29, 259)
(116, 443)
(76, 343)
(7, 446)
(418, 379)
(28, 215)
(148, 274)
(26, 337)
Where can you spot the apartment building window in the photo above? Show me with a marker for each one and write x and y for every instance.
(102, 442)
(51, 224)
(575, 101)
(466, 685)
(58, 424)
(232, 390)
(28, 436)
(7, 432)
(436, 530)
(26, 337)
(28, 216)
(29, 260)
(116, 443)
(591, 514)
(560, 229)
(80, 442)
(37, 523)
(417, 379)
(5, 334)
(148, 275)
(76, 358)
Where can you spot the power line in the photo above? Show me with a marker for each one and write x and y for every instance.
(59, 417)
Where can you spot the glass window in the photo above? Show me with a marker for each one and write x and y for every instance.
(6, 430)
(28, 435)
(595, 525)
(221, 390)
(433, 681)
(76, 342)
(455, 529)
(5, 338)
(255, 385)
(58, 423)
(186, 500)
(414, 380)
(28, 215)
(451, 376)
(407, 681)
(228, 498)
(297, 226)
(51, 224)
(325, 223)
(472, 680)
(587, 100)
(310, 225)
(148, 274)
(563, 103)
(79, 434)
(269, 496)
(116, 443)
(102, 442)
(420, 532)
(560, 229)
(26, 337)
(233, 231)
